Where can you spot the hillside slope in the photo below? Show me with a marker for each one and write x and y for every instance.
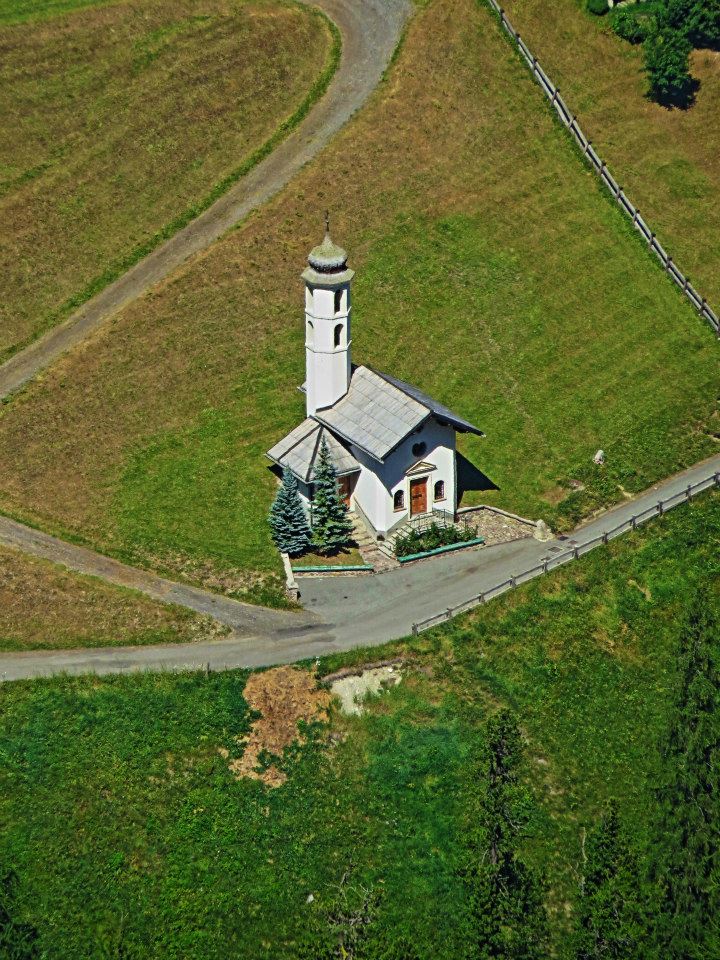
(491, 272)
(124, 117)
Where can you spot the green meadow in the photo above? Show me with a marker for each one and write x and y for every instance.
(129, 833)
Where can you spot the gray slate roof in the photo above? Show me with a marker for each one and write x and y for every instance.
(378, 412)
(299, 450)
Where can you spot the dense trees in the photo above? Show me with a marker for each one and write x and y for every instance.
(670, 34)
(506, 915)
(610, 921)
(688, 839)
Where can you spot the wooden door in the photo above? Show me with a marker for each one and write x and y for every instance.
(345, 485)
(418, 496)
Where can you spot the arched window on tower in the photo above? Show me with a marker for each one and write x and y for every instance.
(338, 300)
(337, 339)
(439, 491)
(399, 500)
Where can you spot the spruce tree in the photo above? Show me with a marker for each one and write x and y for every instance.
(689, 871)
(506, 914)
(288, 523)
(332, 527)
(610, 921)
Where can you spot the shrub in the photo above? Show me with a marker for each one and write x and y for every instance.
(667, 65)
(630, 27)
(431, 539)
(598, 7)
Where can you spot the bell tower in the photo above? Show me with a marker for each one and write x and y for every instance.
(327, 324)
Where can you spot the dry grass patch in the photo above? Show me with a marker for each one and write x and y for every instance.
(44, 606)
(667, 160)
(491, 271)
(123, 117)
(284, 697)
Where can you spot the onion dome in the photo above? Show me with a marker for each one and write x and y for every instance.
(327, 264)
(328, 257)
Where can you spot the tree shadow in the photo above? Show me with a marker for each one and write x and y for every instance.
(470, 478)
(680, 99)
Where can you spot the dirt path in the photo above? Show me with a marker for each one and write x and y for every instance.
(370, 31)
(345, 613)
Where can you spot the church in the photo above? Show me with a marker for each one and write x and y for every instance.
(393, 446)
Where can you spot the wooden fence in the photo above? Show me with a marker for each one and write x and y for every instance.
(601, 168)
(550, 563)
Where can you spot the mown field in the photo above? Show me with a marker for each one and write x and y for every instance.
(123, 118)
(667, 160)
(45, 606)
(491, 272)
(142, 841)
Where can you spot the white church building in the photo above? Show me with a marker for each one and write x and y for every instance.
(392, 445)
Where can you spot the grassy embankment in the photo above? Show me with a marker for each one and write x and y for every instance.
(668, 161)
(124, 821)
(45, 607)
(491, 271)
(127, 119)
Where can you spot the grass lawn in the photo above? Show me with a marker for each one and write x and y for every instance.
(491, 271)
(125, 116)
(43, 606)
(667, 160)
(125, 824)
(351, 555)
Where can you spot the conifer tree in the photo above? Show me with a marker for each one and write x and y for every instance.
(507, 918)
(332, 527)
(689, 871)
(610, 922)
(288, 523)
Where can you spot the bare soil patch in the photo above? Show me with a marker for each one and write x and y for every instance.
(285, 697)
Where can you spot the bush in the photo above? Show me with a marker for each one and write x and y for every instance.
(431, 539)
(598, 7)
(630, 27)
(667, 65)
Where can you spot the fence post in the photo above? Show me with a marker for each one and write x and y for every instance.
(576, 553)
(717, 479)
(633, 523)
(689, 491)
(414, 629)
(685, 285)
(605, 538)
(668, 264)
(587, 147)
(651, 241)
(513, 582)
(545, 565)
(661, 508)
(481, 597)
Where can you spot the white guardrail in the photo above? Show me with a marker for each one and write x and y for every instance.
(551, 563)
(570, 122)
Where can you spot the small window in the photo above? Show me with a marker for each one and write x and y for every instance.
(419, 449)
(399, 500)
(338, 335)
(439, 490)
(338, 300)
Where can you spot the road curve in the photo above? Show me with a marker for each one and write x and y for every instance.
(370, 31)
(343, 613)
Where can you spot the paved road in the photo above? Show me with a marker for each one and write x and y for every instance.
(370, 31)
(342, 613)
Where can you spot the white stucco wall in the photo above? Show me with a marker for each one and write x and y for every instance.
(378, 482)
(327, 367)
